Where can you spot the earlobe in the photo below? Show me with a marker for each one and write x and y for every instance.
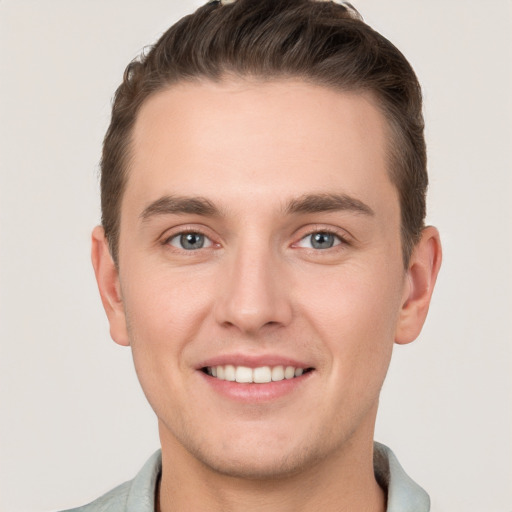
(421, 277)
(107, 277)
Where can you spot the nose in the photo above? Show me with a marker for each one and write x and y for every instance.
(253, 294)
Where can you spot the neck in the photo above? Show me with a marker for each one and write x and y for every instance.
(344, 481)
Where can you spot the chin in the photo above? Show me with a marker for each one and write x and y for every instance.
(257, 457)
(258, 465)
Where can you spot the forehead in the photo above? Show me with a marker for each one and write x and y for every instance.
(258, 139)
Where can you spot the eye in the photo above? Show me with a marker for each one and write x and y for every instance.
(190, 241)
(320, 240)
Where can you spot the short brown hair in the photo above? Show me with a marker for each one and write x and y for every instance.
(319, 42)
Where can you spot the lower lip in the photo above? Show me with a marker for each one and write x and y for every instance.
(252, 392)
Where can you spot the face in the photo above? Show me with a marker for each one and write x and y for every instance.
(260, 242)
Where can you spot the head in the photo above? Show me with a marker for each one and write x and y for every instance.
(263, 201)
(317, 42)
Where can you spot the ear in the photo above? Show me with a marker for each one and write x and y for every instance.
(107, 277)
(421, 277)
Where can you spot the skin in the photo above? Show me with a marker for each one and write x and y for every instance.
(259, 288)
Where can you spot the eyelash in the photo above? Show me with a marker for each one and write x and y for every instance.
(187, 231)
(341, 239)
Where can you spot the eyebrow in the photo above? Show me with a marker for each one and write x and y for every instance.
(176, 205)
(315, 203)
(308, 203)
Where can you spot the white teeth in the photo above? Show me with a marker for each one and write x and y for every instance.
(229, 372)
(243, 374)
(259, 375)
(289, 372)
(277, 373)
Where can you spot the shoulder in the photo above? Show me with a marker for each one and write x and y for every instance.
(137, 495)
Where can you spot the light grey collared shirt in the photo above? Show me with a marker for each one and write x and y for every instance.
(138, 495)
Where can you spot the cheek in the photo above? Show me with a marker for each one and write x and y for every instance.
(355, 313)
(164, 311)
(163, 314)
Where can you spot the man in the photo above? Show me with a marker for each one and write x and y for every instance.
(262, 248)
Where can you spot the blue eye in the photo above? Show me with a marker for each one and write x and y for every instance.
(320, 240)
(190, 241)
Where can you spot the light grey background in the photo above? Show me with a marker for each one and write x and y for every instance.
(73, 420)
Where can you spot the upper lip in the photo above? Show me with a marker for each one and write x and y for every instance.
(253, 361)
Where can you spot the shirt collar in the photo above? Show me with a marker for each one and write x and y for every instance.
(404, 495)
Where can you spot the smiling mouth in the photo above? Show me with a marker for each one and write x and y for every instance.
(259, 375)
